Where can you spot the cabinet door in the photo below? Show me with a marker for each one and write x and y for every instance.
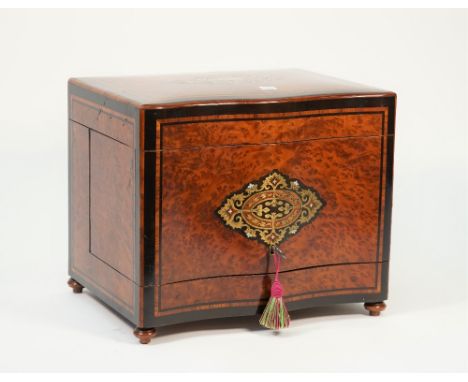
(195, 243)
(202, 264)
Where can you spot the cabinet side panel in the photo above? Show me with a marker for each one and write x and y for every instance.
(109, 285)
(107, 121)
(111, 203)
(79, 190)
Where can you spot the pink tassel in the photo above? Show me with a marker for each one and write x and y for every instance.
(275, 316)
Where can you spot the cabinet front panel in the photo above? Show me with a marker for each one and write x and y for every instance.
(193, 242)
(281, 127)
(254, 290)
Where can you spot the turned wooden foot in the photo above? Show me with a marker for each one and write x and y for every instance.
(75, 285)
(144, 334)
(375, 308)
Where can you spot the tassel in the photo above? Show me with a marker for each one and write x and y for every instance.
(275, 316)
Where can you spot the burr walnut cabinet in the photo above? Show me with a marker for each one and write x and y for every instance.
(177, 182)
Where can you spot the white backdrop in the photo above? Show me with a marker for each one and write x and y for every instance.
(422, 55)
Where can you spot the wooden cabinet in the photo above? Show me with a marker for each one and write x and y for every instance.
(153, 159)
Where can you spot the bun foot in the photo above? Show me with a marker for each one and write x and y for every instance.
(375, 308)
(75, 285)
(145, 335)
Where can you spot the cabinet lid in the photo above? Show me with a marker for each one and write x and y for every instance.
(222, 87)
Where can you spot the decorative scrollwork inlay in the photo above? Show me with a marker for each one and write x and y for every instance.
(271, 209)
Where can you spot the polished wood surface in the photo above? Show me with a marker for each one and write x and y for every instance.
(112, 203)
(232, 291)
(164, 90)
(227, 130)
(85, 267)
(345, 172)
(103, 119)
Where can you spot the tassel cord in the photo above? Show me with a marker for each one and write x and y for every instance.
(276, 288)
(275, 316)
